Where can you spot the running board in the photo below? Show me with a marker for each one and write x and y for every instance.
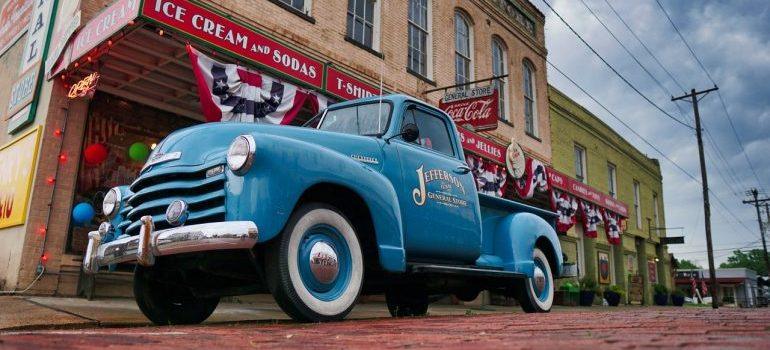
(469, 271)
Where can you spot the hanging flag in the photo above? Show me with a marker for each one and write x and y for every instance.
(591, 218)
(535, 177)
(566, 206)
(704, 288)
(612, 226)
(231, 93)
(490, 176)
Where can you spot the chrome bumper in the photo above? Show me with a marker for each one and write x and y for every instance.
(144, 247)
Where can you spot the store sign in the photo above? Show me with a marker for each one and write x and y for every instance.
(515, 161)
(14, 18)
(347, 87)
(586, 192)
(476, 144)
(69, 21)
(476, 107)
(18, 159)
(96, 31)
(652, 271)
(37, 34)
(84, 87)
(224, 33)
(22, 91)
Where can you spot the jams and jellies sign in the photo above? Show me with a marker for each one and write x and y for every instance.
(224, 33)
(18, 158)
(477, 107)
(476, 144)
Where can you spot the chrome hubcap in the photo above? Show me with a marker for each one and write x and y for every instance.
(324, 263)
(539, 279)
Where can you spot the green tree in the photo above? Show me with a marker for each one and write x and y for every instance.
(753, 259)
(685, 264)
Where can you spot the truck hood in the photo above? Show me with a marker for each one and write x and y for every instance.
(202, 144)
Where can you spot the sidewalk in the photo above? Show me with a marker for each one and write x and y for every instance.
(29, 312)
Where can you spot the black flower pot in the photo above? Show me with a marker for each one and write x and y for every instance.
(613, 299)
(661, 299)
(677, 300)
(586, 297)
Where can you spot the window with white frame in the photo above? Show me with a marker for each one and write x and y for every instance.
(299, 5)
(612, 184)
(637, 207)
(530, 110)
(463, 50)
(500, 67)
(655, 217)
(363, 22)
(419, 37)
(580, 163)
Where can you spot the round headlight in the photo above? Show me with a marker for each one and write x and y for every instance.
(240, 155)
(111, 201)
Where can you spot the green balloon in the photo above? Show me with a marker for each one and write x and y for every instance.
(138, 152)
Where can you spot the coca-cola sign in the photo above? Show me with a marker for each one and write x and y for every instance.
(477, 107)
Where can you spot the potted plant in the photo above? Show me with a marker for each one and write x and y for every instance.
(677, 297)
(661, 294)
(614, 294)
(588, 289)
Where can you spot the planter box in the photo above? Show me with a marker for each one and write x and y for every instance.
(677, 300)
(565, 298)
(586, 298)
(661, 299)
(613, 299)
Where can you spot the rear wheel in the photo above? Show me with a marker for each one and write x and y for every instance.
(407, 302)
(536, 292)
(315, 269)
(169, 304)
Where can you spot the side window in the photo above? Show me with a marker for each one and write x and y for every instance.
(434, 133)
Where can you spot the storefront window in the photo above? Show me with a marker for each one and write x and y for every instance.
(296, 4)
(612, 180)
(463, 50)
(637, 207)
(419, 34)
(499, 68)
(361, 22)
(529, 98)
(580, 163)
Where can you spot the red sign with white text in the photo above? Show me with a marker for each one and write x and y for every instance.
(476, 144)
(586, 192)
(221, 32)
(347, 87)
(477, 107)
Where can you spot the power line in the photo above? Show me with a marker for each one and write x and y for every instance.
(613, 68)
(648, 143)
(721, 99)
(645, 46)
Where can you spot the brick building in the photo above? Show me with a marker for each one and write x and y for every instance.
(338, 49)
(593, 154)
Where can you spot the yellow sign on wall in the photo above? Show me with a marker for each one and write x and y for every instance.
(17, 166)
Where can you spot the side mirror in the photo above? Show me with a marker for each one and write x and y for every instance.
(410, 132)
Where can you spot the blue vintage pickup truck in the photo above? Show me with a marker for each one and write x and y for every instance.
(371, 196)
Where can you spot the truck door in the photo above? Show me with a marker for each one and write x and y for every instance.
(438, 197)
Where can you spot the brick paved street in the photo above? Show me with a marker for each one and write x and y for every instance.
(571, 328)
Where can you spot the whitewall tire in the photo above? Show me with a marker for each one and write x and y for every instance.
(536, 293)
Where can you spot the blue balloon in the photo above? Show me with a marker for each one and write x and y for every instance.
(83, 213)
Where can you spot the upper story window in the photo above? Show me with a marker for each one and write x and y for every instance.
(463, 50)
(655, 217)
(612, 180)
(434, 133)
(363, 22)
(419, 37)
(500, 67)
(530, 109)
(299, 5)
(637, 206)
(580, 163)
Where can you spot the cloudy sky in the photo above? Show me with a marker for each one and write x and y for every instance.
(732, 39)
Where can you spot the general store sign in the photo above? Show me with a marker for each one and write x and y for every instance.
(18, 159)
(14, 18)
(476, 144)
(586, 192)
(221, 32)
(347, 87)
(476, 107)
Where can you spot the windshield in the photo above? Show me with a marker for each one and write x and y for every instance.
(366, 120)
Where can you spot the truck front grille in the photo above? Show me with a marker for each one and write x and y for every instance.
(155, 190)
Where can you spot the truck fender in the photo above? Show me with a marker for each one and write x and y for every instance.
(515, 239)
(284, 168)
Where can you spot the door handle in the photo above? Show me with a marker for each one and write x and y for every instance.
(462, 169)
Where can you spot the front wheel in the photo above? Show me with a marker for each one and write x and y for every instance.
(536, 292)
(169, 304)
(315, 269)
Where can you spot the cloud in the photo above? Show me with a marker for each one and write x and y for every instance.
(733, 41)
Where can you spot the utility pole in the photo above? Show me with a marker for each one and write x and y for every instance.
(757, 202)
(693, 96)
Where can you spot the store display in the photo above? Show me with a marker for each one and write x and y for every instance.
(95, 154)
(83, 213)
(138, 152)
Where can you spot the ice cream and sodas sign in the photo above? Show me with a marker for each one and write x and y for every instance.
(477, 107)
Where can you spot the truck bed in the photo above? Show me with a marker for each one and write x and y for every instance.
(506, 205)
